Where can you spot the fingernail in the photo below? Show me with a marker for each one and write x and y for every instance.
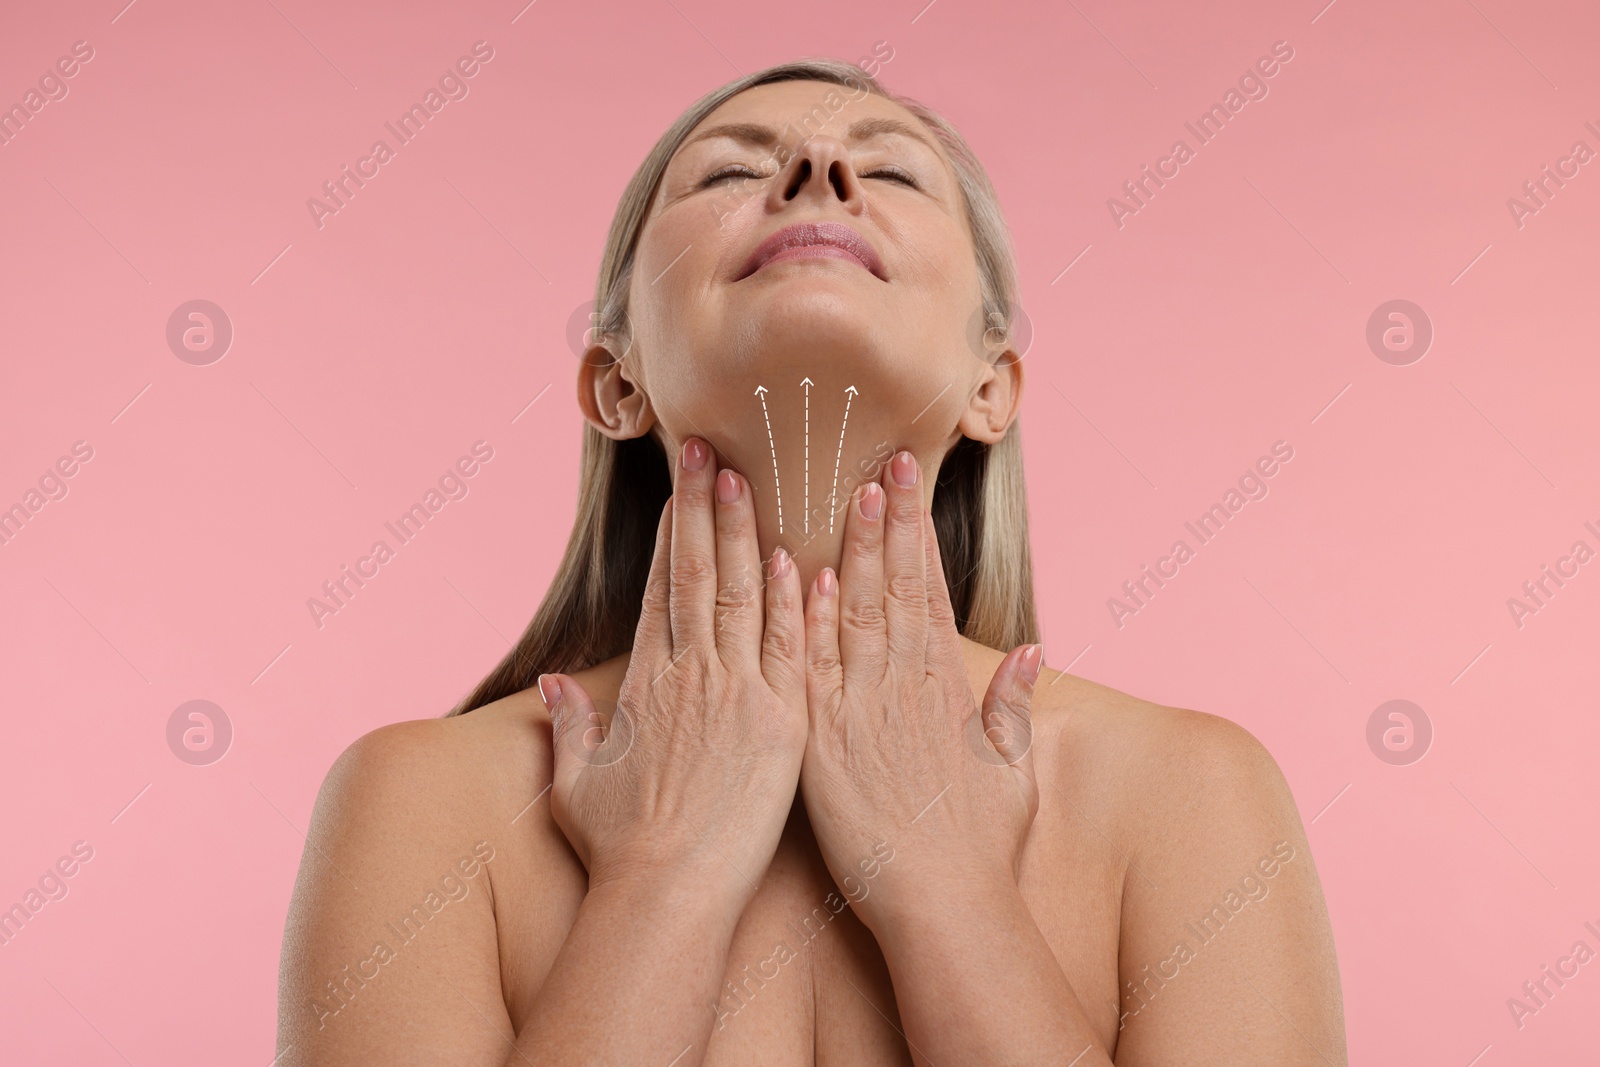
(549, 690)
(903, 468)
(826, 582)
(694, 454)
(1032, 660)
(780, 564)
(727, 487)
(871, 501)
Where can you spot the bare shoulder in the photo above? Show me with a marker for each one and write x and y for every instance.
(462, 761)
(1224, 928)
(470, 773)
(1116, 741)
(419, 826)
(1155, 750)
(1185, 790)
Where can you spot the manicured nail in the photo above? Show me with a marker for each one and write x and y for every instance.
(694, 454)
(871, 501)
(903, 468)
(1032, 660)
(780, 564)
(549, 690)
(827, 584)
(727, 487)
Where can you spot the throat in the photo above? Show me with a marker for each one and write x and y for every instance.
(806, 447)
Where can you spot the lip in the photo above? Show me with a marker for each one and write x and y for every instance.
(815, 238)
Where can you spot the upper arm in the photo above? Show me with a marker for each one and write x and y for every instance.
(389, 954)
(1227, 953)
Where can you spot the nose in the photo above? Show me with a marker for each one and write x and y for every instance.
(819, 171)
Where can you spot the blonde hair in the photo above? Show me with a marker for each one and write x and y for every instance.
(979, 503)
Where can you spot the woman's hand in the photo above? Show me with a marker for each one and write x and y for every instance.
(897, 763)
(695, 774)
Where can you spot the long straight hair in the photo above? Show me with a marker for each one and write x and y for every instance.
(979, 503)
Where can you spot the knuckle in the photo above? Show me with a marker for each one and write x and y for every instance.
(1010, 724)
(906, 512)
(733, 520)
(825, 661)
(996, 726)
(862, 615)
(1014, 700)
(733, 615)
(739, 589)
(691, 568)
(783, 644)
(693, 496)
(906, 588)
(868, 540)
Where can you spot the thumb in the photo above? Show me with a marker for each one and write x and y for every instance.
(570, 713)
(1007, 706)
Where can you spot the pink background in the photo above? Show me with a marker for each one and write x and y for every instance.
(369, 354)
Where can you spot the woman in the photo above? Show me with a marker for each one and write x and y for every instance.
(752, 810)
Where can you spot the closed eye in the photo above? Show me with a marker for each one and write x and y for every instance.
(739, 170)
(893, 174)
(730, 171)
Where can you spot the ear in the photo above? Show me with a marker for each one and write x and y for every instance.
(993, 407)
(610, 396)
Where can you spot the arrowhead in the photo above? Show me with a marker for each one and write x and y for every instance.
(760, 389)
(852, 390)
(808, 381)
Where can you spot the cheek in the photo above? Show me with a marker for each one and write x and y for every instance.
(696, 237)
(938, 289)
(680, 263)
(934, 253)
(940, 325)
(665, 311)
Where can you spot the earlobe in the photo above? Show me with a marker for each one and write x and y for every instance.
(610, 399)
(993, 406)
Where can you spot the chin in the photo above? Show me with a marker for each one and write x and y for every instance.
(812, 329)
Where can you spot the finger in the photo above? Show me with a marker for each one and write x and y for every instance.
(783, 640)
(1008, 706)
(824, 675)
(693, 568)
(905, 586)
(569, 707)
(655, 616)
(739, 582)
(944, 638)
(862, 650)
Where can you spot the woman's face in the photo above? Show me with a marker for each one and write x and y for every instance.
(896, 322)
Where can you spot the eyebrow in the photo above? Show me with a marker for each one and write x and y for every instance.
(760, 136)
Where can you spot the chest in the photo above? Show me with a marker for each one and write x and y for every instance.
(805, 982)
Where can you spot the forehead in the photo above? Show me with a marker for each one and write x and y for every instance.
(791, 111)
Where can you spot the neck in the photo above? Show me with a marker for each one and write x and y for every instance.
(805, 451)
